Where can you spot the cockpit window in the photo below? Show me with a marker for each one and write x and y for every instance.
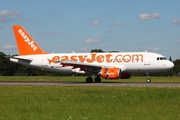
(161, 58)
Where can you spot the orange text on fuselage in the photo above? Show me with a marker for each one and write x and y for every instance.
(99, 58)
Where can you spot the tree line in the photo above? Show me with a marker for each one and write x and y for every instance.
(8, 68)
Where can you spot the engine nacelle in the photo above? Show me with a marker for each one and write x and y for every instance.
(110, 73)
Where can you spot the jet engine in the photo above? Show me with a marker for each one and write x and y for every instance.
(110, 73)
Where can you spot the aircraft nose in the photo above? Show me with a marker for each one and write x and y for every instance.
(170, 64)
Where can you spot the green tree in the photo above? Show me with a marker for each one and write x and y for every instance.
(113, 51)
(6, 67)
(170, 59)
(97, 50)
(176, 68)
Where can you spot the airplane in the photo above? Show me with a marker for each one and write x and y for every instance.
(116, 65)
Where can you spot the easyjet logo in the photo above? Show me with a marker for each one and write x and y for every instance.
(27, 40)
(108, 58)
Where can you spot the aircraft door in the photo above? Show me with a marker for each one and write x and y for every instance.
(146, 60)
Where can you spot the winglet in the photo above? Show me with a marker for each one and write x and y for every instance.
(25, 43)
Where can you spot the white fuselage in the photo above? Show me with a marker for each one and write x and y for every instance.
(127, 61)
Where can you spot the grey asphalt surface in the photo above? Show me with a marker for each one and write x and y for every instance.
(176, 84)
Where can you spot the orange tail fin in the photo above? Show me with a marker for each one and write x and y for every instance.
(26, 44)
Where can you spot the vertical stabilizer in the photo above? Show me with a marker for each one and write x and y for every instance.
(25, 43)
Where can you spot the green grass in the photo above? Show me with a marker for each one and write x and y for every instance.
(88, 102)
(82, 79)
(92, 103)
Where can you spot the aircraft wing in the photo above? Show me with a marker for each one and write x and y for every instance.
(73, 63)
(91, 65)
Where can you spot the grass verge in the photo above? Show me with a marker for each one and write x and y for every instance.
(92, 103)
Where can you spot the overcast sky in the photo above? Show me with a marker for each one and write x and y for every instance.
(62, 26)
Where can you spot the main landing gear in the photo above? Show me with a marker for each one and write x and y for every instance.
(90, 79)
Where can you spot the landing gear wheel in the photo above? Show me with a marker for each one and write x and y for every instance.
(89, 80)
(148, 80)
(97, 79)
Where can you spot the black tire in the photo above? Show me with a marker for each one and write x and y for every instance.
(148, 80)
(97, 79)
(89, 80)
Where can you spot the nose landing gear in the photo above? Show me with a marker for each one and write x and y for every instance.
(148, 80)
